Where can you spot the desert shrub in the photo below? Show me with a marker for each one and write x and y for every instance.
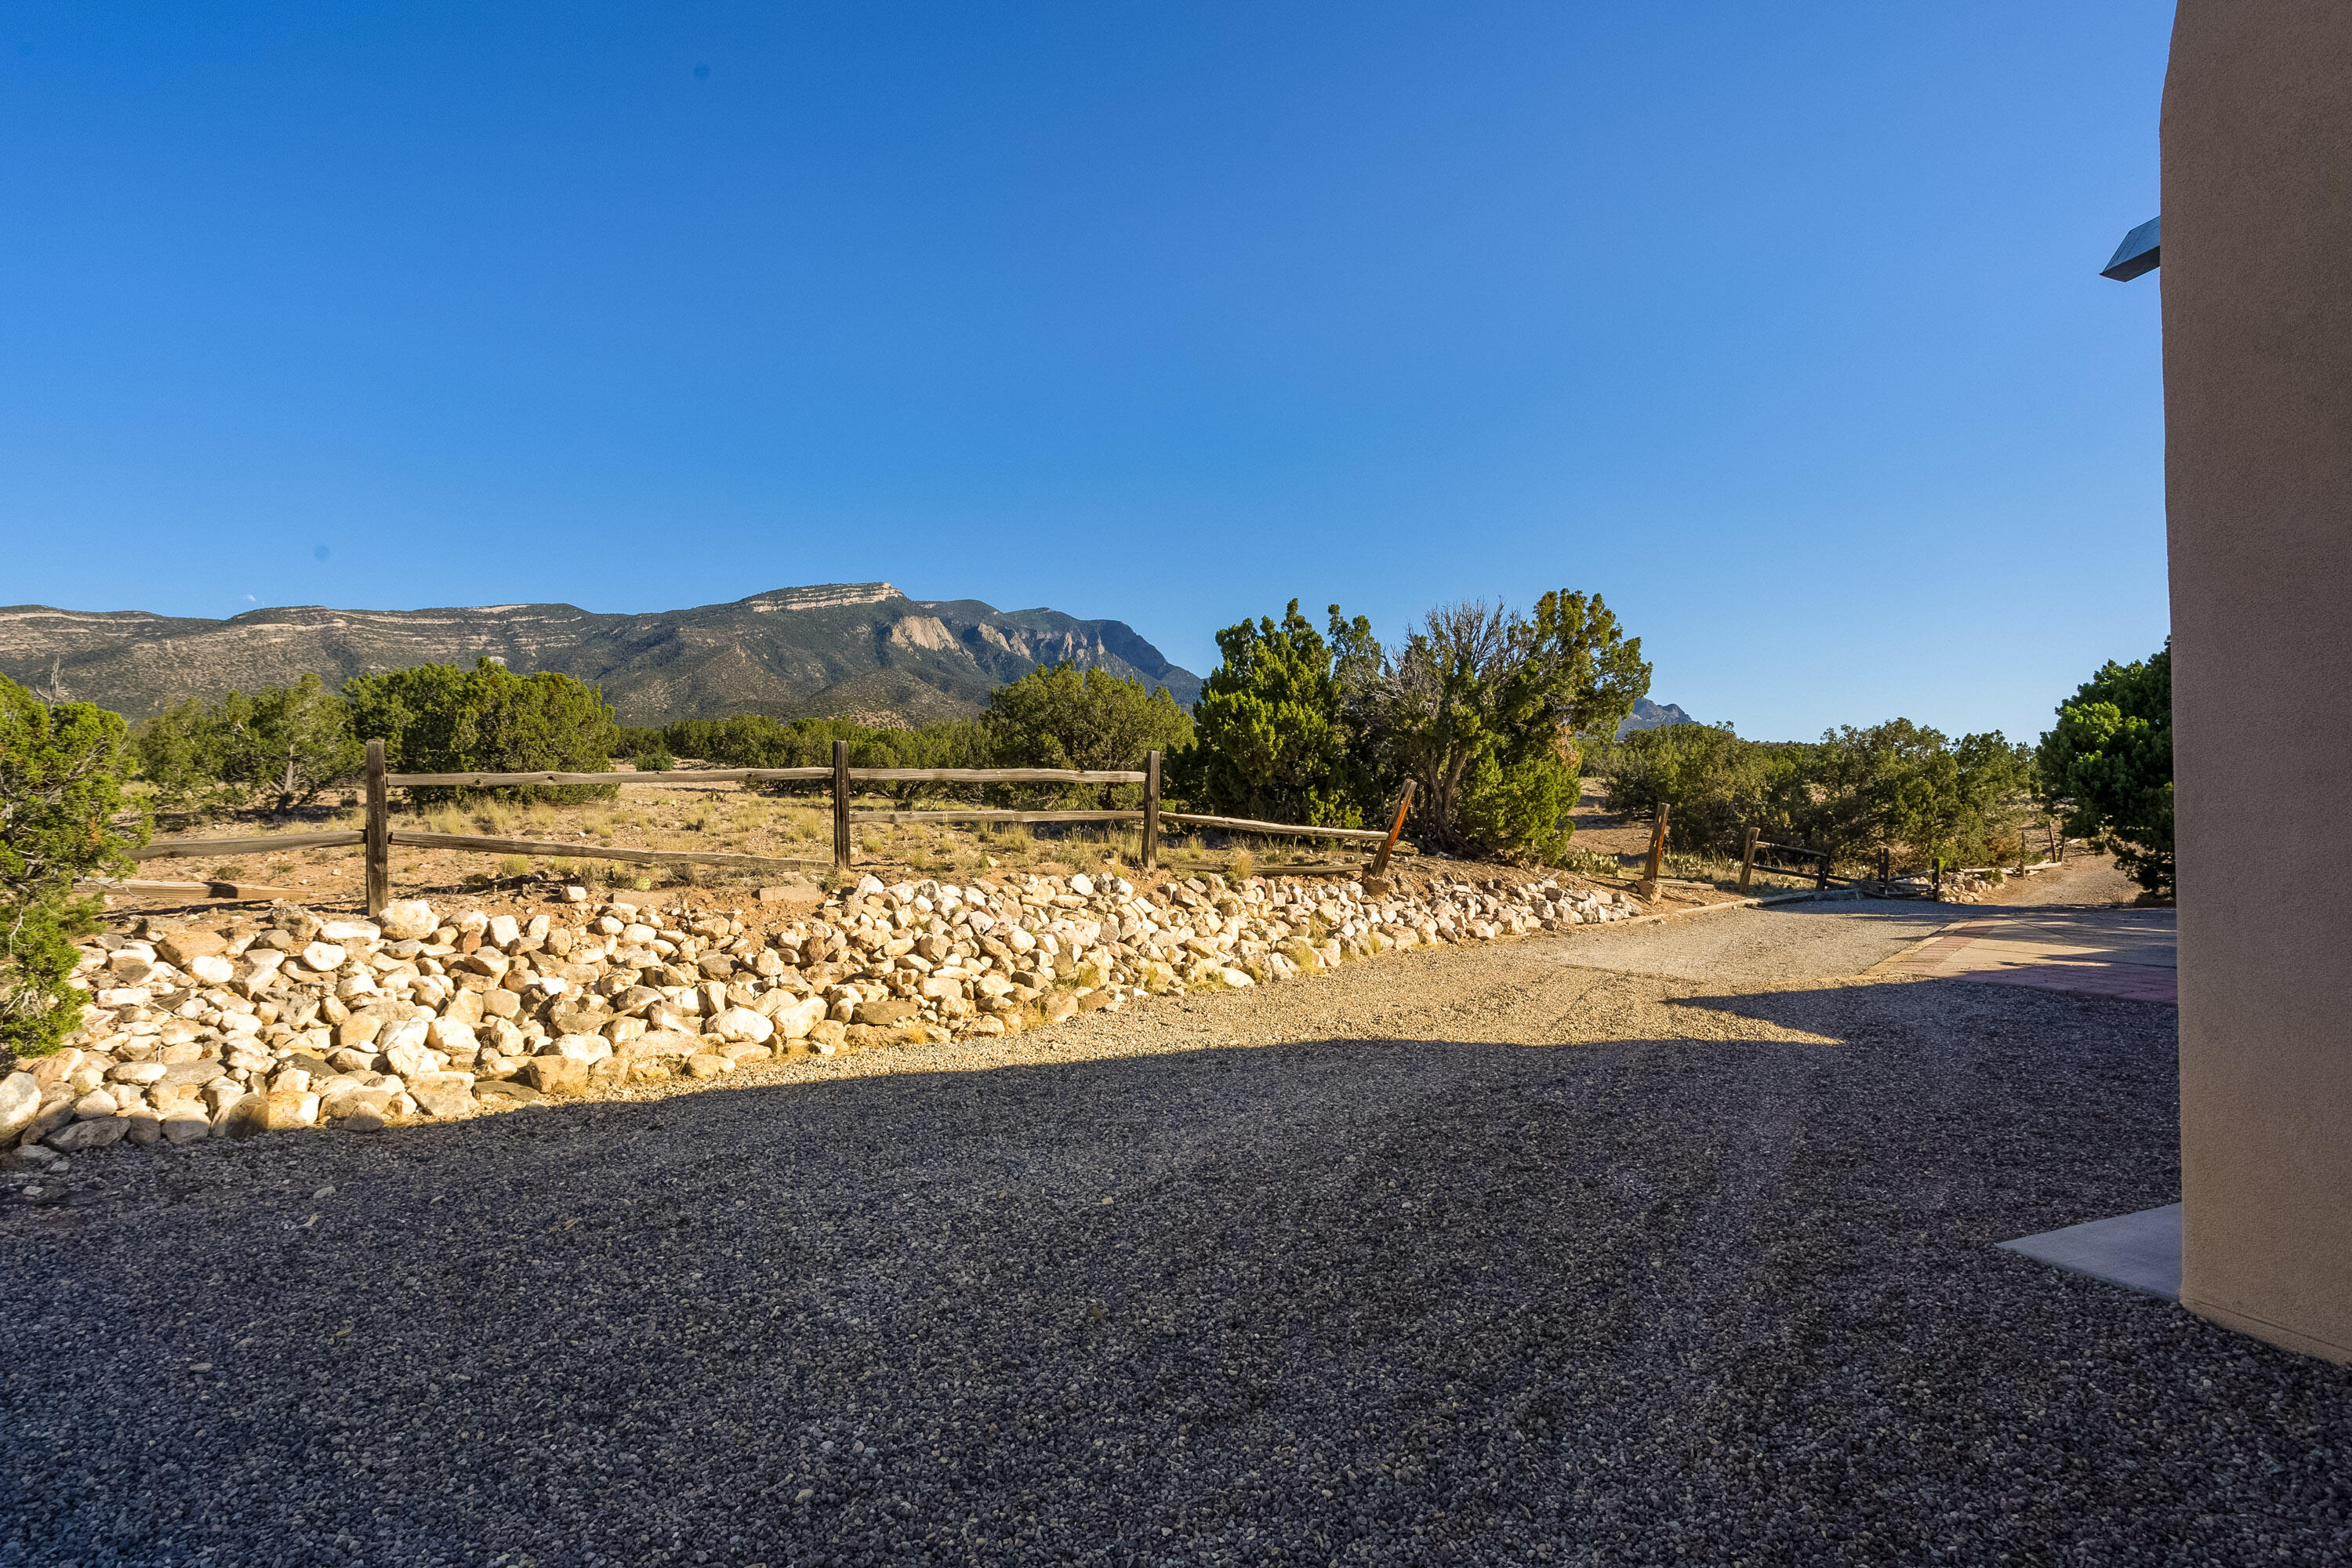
(1520, 809)
(1271, 733)
(61, 817)
(1898, 786)
(654, 759)
(281, 745)
(1713, 783)
(1060, 716)
(2111, 756)
(629, 740)
(438, 718)
(1475, 684)
(1485, 710)
(1906, 788)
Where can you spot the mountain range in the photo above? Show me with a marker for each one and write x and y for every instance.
(1649, 715)
(861, 650)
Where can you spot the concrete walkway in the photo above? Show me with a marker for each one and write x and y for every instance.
(2122, 952)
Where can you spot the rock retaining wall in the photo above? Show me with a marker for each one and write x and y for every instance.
(295, 1019)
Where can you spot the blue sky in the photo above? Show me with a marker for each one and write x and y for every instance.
(1779, 327)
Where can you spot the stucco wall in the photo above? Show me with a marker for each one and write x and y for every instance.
(2257, 280)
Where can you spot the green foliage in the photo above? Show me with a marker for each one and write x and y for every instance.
(280, 746)
(1475, 682)
(1059, 716)
(2111, 756)
(1713, 783)
(652, 760)
(1521, 808)
(1485, 710)
(1895, 786)
(437, 719)
(1271, 738)
(60, 797)
(1901, 786)
(757, 741)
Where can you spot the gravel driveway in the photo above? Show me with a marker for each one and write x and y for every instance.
(1709, 1281)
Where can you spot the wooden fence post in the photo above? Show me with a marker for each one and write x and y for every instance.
(1821, 878)
(1150, 809)
(1882, 870)
(841, 806)
(1381, 858)
(1657, 854)
(1747, 857)
(379, 835)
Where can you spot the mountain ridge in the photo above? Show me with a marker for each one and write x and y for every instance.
(861, 650)
(1649, 715)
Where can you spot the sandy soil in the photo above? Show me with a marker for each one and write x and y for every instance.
(673, 812)
(2084, 879)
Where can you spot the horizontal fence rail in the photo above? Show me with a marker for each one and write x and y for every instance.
(189, 848)
(979, 815)
(1751, 843)
(773, 775)
(1244, 824)
(598, 851)
(994, 775)
(710, 775)
(378, 837)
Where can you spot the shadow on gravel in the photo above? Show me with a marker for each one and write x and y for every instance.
(1356, 1301)
(1899, 1012)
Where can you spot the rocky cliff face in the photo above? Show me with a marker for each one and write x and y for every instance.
(1649, 715)
(857, 649)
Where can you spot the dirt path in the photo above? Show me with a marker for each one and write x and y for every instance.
(2085, 879)
(1336, 1270)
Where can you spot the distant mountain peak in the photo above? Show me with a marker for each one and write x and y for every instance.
(847, 648)
(1649, 715)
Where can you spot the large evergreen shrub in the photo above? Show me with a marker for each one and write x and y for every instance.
(280, 746)
(439, 719)
(61, 817)
(2111, 755)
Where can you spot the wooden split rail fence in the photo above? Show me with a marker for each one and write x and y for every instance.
(1751, 843)
(378, 836)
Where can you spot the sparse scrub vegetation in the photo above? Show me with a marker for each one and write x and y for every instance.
(278, 747)
(1484, 708)
(1895, 786)
(438, 718)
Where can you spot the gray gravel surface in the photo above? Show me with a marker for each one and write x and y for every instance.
(1338, 1271)
(1773, 944)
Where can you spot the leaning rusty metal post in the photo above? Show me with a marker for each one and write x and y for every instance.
(1150, 810)
(378, 844)
(1380, 860)
(841, 806)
